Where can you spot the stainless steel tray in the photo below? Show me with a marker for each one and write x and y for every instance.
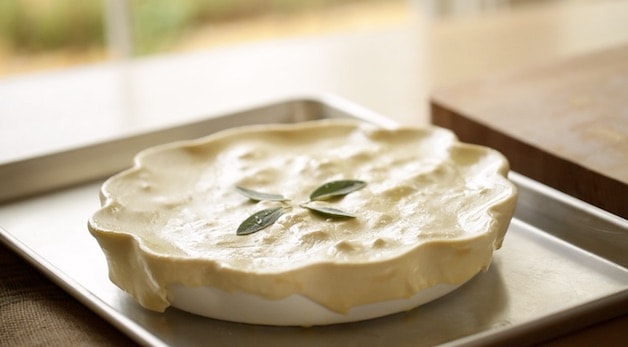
(562, 266)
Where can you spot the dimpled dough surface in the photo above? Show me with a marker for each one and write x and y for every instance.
(433, 211)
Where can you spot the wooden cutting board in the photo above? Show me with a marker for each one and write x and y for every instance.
(564, 124)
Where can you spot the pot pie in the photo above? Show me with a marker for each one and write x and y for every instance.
(426, 218)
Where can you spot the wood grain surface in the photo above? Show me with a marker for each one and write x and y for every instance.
(564, 124)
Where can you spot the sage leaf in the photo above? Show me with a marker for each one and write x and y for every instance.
(260, 220)
(329, 211)
(336, 188)
(259, 196)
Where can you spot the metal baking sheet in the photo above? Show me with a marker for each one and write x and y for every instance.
(562, 265)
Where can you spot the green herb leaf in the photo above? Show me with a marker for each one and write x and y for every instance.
(260, 220)
(336, 188)
(259, 196)
(329, 211)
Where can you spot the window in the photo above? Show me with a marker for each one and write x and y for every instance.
(38, 35)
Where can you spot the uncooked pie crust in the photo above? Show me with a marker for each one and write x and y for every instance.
(431, 215)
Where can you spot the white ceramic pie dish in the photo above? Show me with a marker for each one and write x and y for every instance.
(429, 219)
(294, 310)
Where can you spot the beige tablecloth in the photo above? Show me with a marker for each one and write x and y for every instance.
(36, 312)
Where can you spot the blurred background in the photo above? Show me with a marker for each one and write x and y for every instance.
(74, 72)
(38, 35)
